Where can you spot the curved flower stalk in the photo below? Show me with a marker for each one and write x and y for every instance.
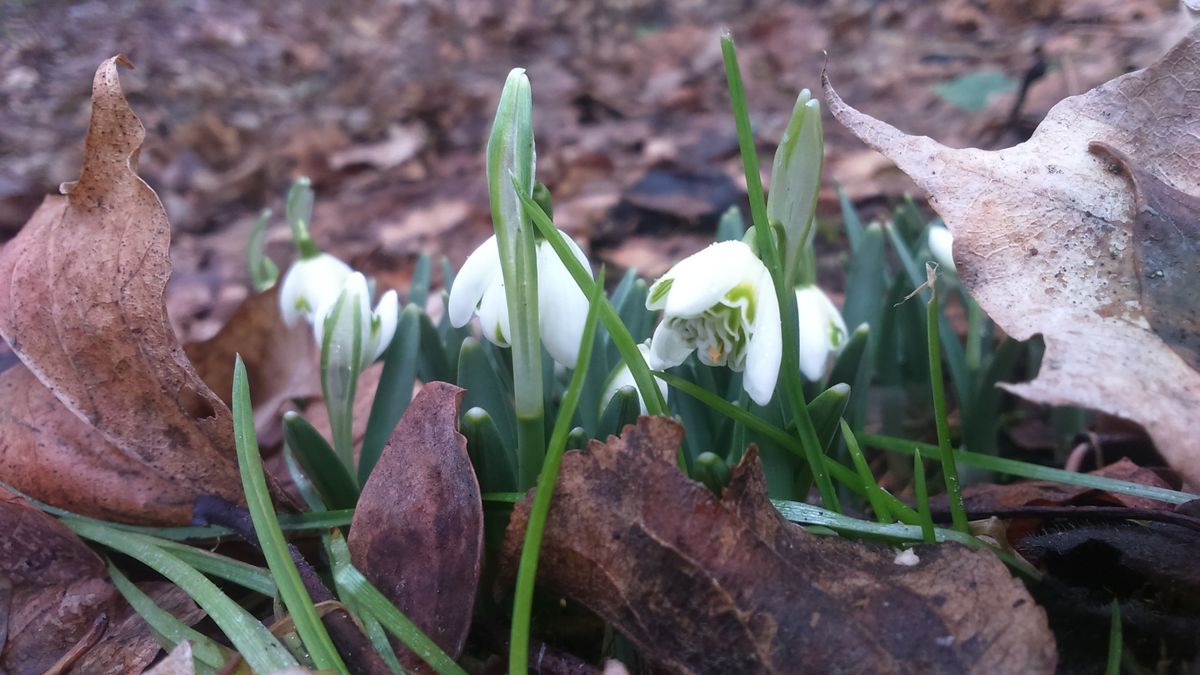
(822, 333)
(621, 377)
(941, 245)
(562, 307)
(721, 302)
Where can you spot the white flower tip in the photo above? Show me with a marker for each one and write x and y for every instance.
(941, 245)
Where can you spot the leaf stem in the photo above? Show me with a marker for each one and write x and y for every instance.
(949, 468)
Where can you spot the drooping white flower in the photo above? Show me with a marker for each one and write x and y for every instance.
(562, 307)
(311, 282)
(720, 302)
(353, 303)
(622, 377)
(822, 333)
(941, 245)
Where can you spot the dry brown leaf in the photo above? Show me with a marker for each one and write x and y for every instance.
(62, 609)
(417, 532)
(1051, 239)
(83, 308)
(281, 362)
(703, 585)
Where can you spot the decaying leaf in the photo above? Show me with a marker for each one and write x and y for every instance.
(63, 610)
(282, 362)
(83, 308)
(1053, 237)
(417, 531)
(707, 585)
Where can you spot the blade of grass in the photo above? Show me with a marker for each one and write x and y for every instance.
(169, 629)
(223, 567)
(958, 514)
(339, 557)
(608, 315)
(922, 495)
(258, 501)
(793, 385)
(874, 492)
(518, 654)
(369, 600)
(249, 636)
(807, 514)
(1013, 467)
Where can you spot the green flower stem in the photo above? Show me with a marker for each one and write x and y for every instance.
(518, 654)
(792, 384)
(510, 167)
(958, 514)
(340, 356)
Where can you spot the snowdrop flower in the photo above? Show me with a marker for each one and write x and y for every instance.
(562, 307)
(822, 331)
(622, 377)
(376, 328)
(941, 245)
(310, 283)
(721, 302)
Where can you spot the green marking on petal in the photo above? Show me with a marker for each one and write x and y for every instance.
(836, 335)
(743, 292)
(659, 290)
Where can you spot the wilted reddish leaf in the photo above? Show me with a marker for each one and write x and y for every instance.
(282, 362)
(1052, 237)
(417, 531)
(84, 310)
(722, 586)
(62, 608)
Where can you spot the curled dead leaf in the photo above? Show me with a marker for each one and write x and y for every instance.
(417, 531)
(1051, 238)
(707, 585)
(83, 307)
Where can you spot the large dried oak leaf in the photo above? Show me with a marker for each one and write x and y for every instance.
(126, 428)
(1089, 234)
(707, 585)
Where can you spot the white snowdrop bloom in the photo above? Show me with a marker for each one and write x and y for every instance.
(622, 377)
(941, 245)
(721, 302)
(375, 327)
(822, 332)
(311, 283)
(562, 307)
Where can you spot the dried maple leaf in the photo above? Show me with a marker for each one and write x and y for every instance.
(1099, 257)
(417, 532)
(82, 305)
(707, 585)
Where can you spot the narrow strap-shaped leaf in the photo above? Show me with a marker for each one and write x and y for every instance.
(321, 465)
(250, 637)
(270, 537)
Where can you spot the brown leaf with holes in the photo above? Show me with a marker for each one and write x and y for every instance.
(282, 362)
(417, 531)
(62, 609)
(1087, 234)
(83, 307)
(707, 585)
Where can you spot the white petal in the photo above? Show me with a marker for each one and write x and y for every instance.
(623, 377)
(668, 348)
(387, 312)
(702, 279)
(765, 351)
(493, 315)
(562, 306)
(480, 272)
(813, 332)
(941, 245)
(309, 284)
